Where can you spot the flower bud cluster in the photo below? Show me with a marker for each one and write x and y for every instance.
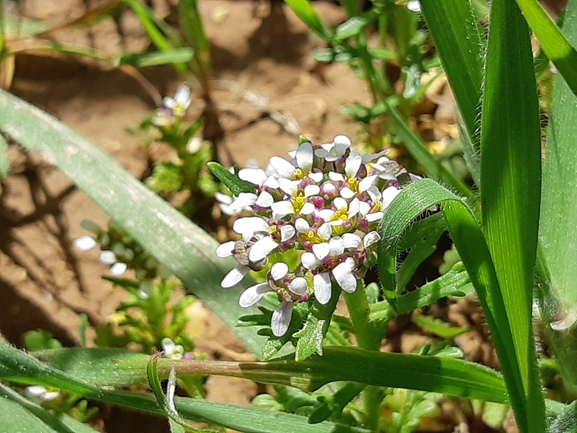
(326, 202)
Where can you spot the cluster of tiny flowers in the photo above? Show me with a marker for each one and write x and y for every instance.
(327, 202)
(173, 107)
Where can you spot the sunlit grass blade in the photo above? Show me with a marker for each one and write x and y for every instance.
(306, 12)
(460, 46)
(241, 418)
(434, 374)
(510, 189)
(559, 218)
(20, 367)
(177, 55)
(181, 246)
(18, 414)
(552, 41)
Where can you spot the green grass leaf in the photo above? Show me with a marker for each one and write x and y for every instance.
(552, 41)
(510, 190)
(181, 246)
(559, 218)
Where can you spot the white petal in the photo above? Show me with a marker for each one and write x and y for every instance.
(304, 156)
(248, 226)
(307, 209)
(347, 193)
(168, 102)
(261, 249)
(244, 199)
(325, 231)
(299, 286)
(370, 238)
(353, 163)
(279, 271)
(354, 207)
(84, 243)
(317, 177)
(340, 203)
(364, 208)
(336, 177)
(222, 198)
(302, 225)
(311, 190)
(389, 195)
(281, 319)
(168, 345)
(309, 260)
(321, 250)
(376, 216)
(253, 294)
(284, 168)
(341, 144)
(326, 214)
(352, 240)
(336, 246)
(265, 199)
(272, 182)
(286, 233)
(368, 157)
(225, 250)
(256, 176)
(107, 257)
(118, 268)
(50, 395)
(344, 276)
(281, 209)
(322, 284)
(374, 193)
(182, 95)
(234, 277)
(366, 183)
(288, 186)
(35, 391)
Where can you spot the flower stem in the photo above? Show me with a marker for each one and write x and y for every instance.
(369, 335)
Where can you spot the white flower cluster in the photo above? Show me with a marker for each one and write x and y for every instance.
(326, 202)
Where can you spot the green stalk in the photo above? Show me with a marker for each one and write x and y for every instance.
(369, 338)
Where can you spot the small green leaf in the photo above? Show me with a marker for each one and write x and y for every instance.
(40, 340)
(4, 160)
(306, 12)
(354, 26)
(176, 55)
(234, 183)
(310, 338)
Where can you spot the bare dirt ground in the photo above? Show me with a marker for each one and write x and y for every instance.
(259, 49)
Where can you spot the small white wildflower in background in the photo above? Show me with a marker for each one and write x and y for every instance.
(179, 103)
(171, 349)
(84, 243)
(107, 257)
(38, 392)
(326, 202)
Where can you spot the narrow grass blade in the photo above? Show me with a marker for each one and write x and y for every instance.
(181, 246)
(552, 41)
(559, 219)
(20, 367)
(434, 374)
(241, 418)
(305, 11)
(510, 189)
(13, 420)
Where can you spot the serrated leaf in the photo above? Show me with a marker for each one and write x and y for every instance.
(310, 338)
(438, 327)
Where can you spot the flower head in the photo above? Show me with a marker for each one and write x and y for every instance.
(325, 202)
(179, 103)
